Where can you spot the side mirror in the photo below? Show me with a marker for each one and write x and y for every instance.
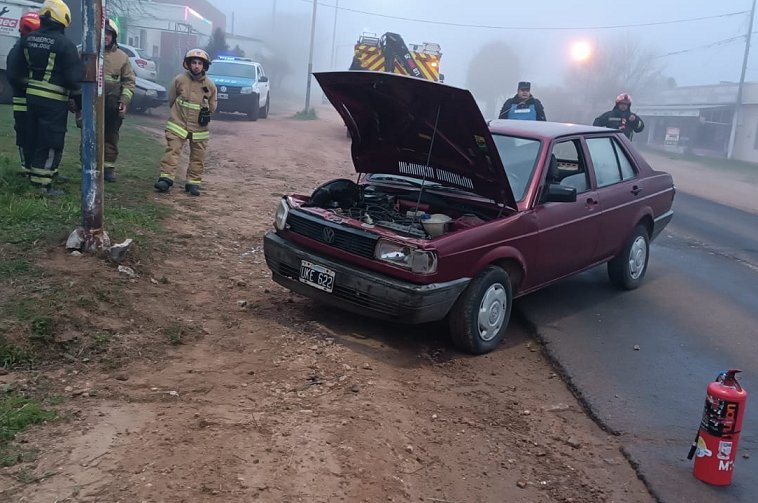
(556, 193)
(263, 79)
(442, 78)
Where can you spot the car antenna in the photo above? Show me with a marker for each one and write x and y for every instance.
(428, 160)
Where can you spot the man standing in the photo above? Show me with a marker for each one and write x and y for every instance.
(621, 117)
(52, 66)
(28, 23)
(192, 98)
(523, 106)
(119, 89)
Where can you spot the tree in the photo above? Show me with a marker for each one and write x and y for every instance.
(217, 44)
(492, 74)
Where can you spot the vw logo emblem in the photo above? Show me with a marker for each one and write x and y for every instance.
(328, 234)
(223, 89)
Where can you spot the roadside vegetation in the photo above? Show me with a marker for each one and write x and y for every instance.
(44, 310)
(306, 115)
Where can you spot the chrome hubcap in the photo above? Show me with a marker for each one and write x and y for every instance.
(492, 312)
(637, 257)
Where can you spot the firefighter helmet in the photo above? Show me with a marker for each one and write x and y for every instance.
(57, 10)
(28, 23)
(197, 54)
(624, 98)
(111, 26)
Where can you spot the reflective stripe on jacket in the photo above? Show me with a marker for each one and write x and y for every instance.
(118, 75)
(186, 96)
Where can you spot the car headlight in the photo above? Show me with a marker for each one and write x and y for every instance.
(151, 93)
(246, 90)
(407, 257)
(282, 212)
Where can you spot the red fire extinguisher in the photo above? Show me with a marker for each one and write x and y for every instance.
(715, 446)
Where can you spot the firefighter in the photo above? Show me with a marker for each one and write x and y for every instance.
(52, 66)
(192, 98)
(28, 23)
(621, 117)
(523, 105)
(119, 89)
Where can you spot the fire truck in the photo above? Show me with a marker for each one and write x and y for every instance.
(389, 53)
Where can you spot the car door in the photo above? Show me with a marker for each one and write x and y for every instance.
(568, 231)
(263, 83)
(619, 192)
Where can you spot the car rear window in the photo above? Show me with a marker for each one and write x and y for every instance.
(519, 156)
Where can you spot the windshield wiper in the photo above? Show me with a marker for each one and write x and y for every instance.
(407, 181)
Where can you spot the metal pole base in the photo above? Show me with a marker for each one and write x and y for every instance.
(89, 241)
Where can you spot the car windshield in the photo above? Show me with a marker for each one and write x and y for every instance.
(519, 156)
(225, 69)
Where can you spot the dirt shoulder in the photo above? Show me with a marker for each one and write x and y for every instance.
(271, 397)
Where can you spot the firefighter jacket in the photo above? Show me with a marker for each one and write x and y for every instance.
(48, 64)
(616, 119)
(119, 76)
(529, 109)
(18, 87)
(186, 97)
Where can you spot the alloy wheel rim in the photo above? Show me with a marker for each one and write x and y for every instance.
(492, 312)
(637, 258)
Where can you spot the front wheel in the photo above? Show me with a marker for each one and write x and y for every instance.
(479, 318)
(255, 108)
(627, 269)
(264, 109)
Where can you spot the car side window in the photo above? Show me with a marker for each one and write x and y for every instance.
(604, 160)
(627, 170)
(567, 167)
(127, 51)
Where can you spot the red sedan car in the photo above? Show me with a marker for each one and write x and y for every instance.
(450, 217)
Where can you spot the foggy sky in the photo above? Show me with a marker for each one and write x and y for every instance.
(544, 52)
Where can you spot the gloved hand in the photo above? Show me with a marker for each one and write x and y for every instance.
(204, 117)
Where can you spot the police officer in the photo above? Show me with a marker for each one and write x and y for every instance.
(119, 90)
(523, 105)
(192, 98)
(28, 23)
(52, 66)
(621, 117)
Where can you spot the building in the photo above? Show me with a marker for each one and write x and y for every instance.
(699, 119)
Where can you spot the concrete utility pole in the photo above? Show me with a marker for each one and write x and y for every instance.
(310, 59)
(91, 235)
(738, 103)
(334, 35)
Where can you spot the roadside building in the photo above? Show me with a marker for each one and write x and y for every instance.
(698, 120)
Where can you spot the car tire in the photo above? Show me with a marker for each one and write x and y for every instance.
(627, 269)
(255, 109)
(264, 109)
(479, 318)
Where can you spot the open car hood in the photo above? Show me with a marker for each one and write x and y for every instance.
(392, 121)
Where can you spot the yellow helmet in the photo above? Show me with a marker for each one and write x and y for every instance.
(199, 54)
(111, 26)
(56, 10)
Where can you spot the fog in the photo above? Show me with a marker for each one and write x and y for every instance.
(675, 48)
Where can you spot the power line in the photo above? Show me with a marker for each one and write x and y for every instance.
(717, 43)
(536, 28)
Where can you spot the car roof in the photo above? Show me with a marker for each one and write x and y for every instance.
(541, 129)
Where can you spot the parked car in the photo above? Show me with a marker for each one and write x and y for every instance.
(147, 95)
(242, 86)
(143, 67)
(452, 218)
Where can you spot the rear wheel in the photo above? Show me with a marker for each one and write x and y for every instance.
(479, 318)
(264, 109)
(255, 108)
(627, 269)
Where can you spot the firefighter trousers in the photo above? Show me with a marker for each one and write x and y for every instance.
(113, 121)
(22, 137)
(46, 132)
(170, 160)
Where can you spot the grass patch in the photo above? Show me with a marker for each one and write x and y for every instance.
(12, 355)
(174, 334)
(16, 414)
(306, 115)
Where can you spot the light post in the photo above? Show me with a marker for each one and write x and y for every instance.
(310, 60)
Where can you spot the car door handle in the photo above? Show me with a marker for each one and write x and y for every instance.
(636, 190)
(592, 200)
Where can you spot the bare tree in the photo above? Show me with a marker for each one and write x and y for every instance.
(492, 73)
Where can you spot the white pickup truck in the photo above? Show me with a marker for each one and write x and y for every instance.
(10, 13)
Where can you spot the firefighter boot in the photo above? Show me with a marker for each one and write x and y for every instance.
(193, 189)
(110, 174)
(163, 184)
(51, 191)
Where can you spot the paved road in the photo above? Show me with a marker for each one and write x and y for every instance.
(696, 314)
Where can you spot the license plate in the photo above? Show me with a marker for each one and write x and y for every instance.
(316, 276)
(223, 96)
